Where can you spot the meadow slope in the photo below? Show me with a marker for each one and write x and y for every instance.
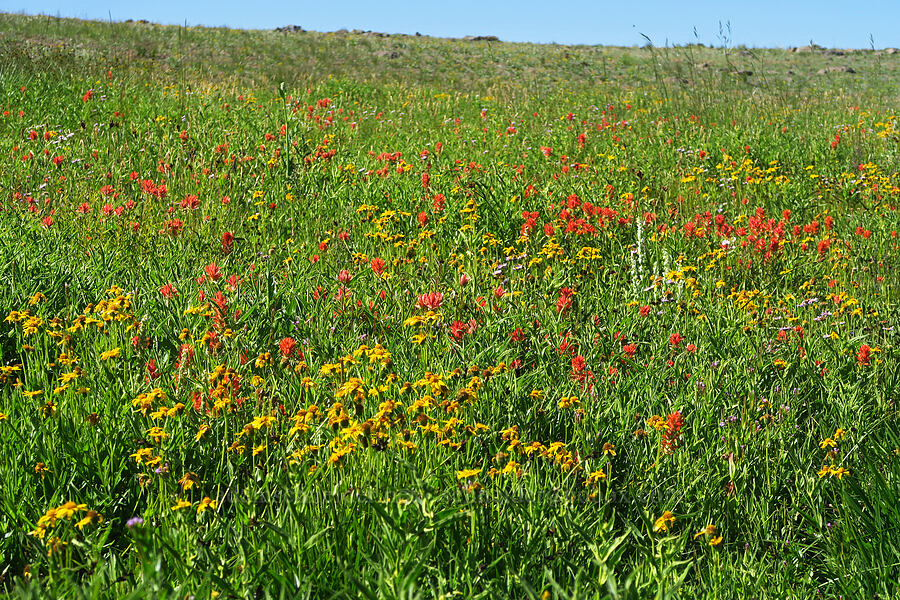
(340, 315)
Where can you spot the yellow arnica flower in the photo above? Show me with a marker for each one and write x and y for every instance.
(202, 431)
(114, 353)
(708, 530)
(839, 472)
(657, 422)
(206, 503)
(92, 517)
(594, 477)
(512, 467)
(181, 504)
(567, 401)
(68, 510)
(157, 434)
(69, 377)
(664, 522)
(189, 480)
(465, 473)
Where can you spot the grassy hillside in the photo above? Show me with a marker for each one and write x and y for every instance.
(341, 315)
(263, 59)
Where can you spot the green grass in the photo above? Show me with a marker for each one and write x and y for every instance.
(717, 245)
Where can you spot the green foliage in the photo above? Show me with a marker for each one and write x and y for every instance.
(286, 317)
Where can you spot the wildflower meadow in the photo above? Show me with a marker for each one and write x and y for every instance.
(286, 315)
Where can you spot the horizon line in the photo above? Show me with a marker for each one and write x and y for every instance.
(358, 31)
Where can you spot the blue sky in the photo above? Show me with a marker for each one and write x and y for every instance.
(763, 23)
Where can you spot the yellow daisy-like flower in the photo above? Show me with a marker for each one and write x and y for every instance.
(465, 473)
(201, 432)
(69, 377)
(68, 510)
(567, 401)
(657, 422)
(407, 445)
(839, 472)
(114, 353)
(205, 504)
(708, 530)
(92, 517)
(181, 504)
(511, 468)
(157, 434)
(188, 480)
(663, 523)
(38, 297)
(142, 455)
(594, 477)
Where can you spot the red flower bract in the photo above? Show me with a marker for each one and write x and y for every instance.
(227, 242)
(578, 364)
(431, 301)
(458, 329)
(212, 270)
(564, 301)
(672, 435)
(287, 346)
(863, 357)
